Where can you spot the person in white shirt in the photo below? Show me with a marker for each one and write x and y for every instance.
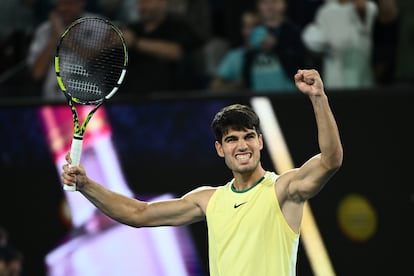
(43, 46)
(342, 32)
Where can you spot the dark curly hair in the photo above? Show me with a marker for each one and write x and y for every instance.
(237, 117)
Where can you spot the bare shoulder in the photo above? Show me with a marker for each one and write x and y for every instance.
(201, 196)
(203, 192)
(286, 177)
(282, 184)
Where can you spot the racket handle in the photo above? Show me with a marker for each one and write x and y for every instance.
(75, 155)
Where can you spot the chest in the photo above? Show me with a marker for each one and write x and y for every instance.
(234, 213)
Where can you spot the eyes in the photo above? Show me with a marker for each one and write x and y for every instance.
(233, 138)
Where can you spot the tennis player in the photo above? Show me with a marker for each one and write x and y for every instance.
(254, 220)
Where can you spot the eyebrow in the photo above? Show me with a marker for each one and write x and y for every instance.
(245, 135)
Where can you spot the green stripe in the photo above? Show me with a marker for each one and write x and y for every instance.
(248, 189)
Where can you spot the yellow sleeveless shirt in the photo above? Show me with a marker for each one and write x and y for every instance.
(248, 234)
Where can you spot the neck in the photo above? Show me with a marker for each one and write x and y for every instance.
(243, 181)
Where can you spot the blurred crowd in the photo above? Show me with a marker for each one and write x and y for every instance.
(11, 259)
(210, 45)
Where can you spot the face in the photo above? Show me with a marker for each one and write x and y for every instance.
(15, 268)
(249, 21)
(70, 10)
(241, 150)
(270, 9)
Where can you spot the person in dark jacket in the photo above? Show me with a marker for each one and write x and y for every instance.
(278, 50)
(159, 46)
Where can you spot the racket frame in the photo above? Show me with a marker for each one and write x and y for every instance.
(79, 129)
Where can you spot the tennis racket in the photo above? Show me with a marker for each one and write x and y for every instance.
(90, 63)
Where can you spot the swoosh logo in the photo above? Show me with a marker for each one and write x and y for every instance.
(238, 205)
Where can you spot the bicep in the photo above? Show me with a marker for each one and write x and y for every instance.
(173, 212)
(309, 179)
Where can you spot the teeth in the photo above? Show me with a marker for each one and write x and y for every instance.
(243, 156)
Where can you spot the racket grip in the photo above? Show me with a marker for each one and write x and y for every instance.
(75, 155)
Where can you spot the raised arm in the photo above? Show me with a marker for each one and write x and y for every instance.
(44, 55)
(181, 211)
(306, 181)
(161, 48)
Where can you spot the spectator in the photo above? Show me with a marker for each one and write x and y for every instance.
(342, 33)
(386, 38)
(160, 46)
(198, 14)
(14, 261)
(229, 74)
(278, 51)
(43, 45)
(11, 259)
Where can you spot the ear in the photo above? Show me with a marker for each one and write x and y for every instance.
(260, 141)
(219, 149)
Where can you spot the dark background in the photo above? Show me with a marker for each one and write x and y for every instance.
(170, 139)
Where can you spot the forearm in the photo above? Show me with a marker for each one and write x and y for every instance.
(165, 49)
(328, 134)
(121, 208)
(44, 60)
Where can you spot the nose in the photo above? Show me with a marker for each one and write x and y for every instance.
(242, 145)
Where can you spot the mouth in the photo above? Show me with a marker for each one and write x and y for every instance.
(243, 157)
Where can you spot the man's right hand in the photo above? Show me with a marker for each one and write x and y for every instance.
(75, 174)
(57, 24)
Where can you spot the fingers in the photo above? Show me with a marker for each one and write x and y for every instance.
(68, 159)
(298, 76)
(129, 36)
(307, 76)
(68, 175)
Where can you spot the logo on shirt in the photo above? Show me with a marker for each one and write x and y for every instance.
(239, 204)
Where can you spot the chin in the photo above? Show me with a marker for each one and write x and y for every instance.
(242, 170)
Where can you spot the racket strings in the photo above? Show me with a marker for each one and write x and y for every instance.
(92, 58)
